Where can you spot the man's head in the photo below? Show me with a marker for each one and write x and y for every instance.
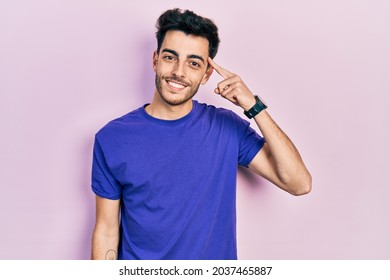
(189, 23)
(185, 41)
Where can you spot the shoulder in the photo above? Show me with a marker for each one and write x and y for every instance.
(118, 125)
(222, 114)
(218, 111)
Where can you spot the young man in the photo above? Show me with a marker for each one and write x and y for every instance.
(165, 174)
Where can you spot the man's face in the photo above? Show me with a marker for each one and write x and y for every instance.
(181, 66)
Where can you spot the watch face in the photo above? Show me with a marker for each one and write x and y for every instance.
(257, 108)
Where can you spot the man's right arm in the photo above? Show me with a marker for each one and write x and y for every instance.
(105, 236)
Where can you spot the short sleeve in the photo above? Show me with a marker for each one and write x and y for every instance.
(250, 142)
(104, 183)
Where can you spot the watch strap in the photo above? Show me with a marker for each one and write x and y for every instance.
(257, 108)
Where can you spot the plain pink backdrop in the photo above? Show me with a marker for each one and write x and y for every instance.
(68, 67)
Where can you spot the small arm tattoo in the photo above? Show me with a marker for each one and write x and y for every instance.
(111, 255)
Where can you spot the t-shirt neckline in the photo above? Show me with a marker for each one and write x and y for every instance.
(171, 122)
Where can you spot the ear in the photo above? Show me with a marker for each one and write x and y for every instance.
(155, 60)
(207, 75)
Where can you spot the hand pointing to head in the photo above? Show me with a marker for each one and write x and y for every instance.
(233, 88)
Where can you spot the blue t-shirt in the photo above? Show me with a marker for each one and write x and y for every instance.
(176, 181)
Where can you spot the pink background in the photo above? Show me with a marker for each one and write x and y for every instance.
(68, 67)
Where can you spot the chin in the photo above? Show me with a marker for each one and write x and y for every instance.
(175, 102)
(181, 98)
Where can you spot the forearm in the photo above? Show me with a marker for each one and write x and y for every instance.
(286, 160)
(279, 161)
(105, 244)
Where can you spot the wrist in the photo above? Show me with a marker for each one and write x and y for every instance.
(250, 104)
(256, 108)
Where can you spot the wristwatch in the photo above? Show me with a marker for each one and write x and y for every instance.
(257, 108)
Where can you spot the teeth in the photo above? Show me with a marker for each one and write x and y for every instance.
(176, 85)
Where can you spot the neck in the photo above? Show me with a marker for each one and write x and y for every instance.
(159, 109)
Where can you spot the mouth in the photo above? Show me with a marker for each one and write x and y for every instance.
(176, 85)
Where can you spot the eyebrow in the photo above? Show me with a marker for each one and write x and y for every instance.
(188, 56)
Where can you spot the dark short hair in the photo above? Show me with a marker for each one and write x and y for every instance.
(189, 23)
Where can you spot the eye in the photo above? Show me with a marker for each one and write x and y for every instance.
(194, 64)
(169, 57)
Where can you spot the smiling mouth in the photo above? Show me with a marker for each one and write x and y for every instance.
(176, 84)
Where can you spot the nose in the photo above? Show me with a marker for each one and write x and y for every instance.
(179, 69)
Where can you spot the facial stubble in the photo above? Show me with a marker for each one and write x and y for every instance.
(192, 91)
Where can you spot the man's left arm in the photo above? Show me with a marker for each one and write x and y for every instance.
(278, 161)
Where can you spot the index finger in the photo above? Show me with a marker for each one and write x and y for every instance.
(221, 71)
